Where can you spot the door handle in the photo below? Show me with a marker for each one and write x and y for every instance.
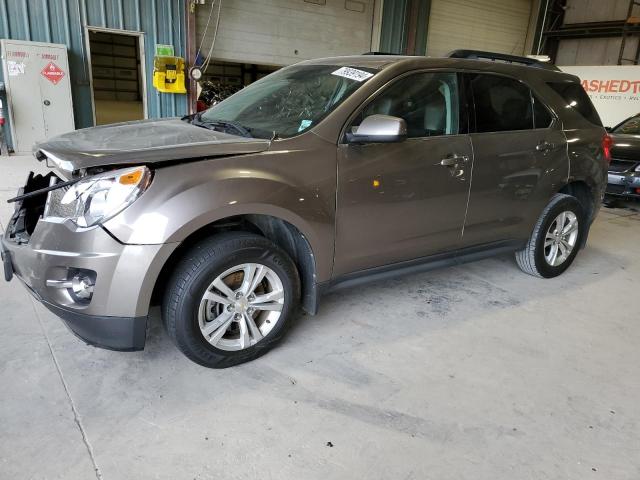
(453, 160)
(544, 146)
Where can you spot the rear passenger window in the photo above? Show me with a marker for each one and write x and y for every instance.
(576, 98)
(541, 116)
(501, 104)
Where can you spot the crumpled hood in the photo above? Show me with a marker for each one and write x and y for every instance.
(147, 141)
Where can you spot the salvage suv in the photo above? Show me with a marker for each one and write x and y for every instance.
(326, 173)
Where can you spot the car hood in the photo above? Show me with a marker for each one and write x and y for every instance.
(625, 146)
(142, 142)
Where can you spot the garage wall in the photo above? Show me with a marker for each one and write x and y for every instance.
(64, 21)
(595, 51)
(493, 25)
(583, 11)
(403, 28)
(281, 32)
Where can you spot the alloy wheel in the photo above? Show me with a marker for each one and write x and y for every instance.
(241, 306)
(561, 238)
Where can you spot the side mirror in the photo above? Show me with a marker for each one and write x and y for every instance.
(379, 129)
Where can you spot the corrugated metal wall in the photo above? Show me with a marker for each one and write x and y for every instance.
(583, 11)
(64, 21)
(596, 51)
(400, 33)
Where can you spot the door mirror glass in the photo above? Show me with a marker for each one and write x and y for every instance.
(379, 129)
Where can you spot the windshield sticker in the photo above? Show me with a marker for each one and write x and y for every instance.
(352, 74)
(304, 124)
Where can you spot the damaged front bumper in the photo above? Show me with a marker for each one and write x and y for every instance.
(100, 287)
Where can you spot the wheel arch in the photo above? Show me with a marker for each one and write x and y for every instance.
(281, 232)
(580, 190)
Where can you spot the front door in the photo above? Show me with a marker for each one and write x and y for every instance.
(400, 201)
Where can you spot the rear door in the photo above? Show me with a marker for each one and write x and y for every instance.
(520, 159)
(400, 201)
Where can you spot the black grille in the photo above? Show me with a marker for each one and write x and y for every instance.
(621, 165)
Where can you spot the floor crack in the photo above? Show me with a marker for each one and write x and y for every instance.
(76, 415)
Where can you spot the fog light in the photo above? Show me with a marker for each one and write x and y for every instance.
(82, 286)
(79, 284)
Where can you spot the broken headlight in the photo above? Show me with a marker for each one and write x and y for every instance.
(98, 198)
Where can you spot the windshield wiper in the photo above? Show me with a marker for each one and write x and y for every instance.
(219, 125)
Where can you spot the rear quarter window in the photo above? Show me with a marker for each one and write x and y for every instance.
(576, 98)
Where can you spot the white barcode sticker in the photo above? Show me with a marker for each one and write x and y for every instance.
(352, 74)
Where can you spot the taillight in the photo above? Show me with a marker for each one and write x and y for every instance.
(607, 143)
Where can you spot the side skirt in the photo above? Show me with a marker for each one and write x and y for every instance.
(419, 265)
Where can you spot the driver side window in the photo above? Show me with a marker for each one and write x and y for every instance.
(428, 102)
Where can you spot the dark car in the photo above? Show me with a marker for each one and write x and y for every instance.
(326, 173)
(624, 170)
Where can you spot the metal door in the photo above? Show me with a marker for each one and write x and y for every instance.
(38, 91)
(401, 201)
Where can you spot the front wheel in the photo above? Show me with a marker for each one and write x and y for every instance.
(230, 299)
(555, 240)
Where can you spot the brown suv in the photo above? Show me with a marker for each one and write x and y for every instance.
(329, 172)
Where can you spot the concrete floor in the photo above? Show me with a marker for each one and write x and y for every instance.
(474, 372)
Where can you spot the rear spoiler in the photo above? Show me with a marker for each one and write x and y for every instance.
(501, 57)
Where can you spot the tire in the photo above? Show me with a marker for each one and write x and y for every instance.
(188, 316)
(534, 258)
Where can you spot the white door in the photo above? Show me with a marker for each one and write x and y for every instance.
(490, 25)
(38, 91)
(282, 32)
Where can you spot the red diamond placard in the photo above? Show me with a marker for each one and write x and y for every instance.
(52, 72)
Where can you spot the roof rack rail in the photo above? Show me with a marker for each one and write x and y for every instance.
(381, 53)
(501, 57)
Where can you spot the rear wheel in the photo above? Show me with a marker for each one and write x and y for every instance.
(555, 240)
(230, 299)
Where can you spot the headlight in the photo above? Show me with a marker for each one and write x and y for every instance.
(98, 198)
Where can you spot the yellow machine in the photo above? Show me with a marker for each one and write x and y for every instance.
(168, 74)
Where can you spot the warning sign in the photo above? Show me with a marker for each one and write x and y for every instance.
(52, 72)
